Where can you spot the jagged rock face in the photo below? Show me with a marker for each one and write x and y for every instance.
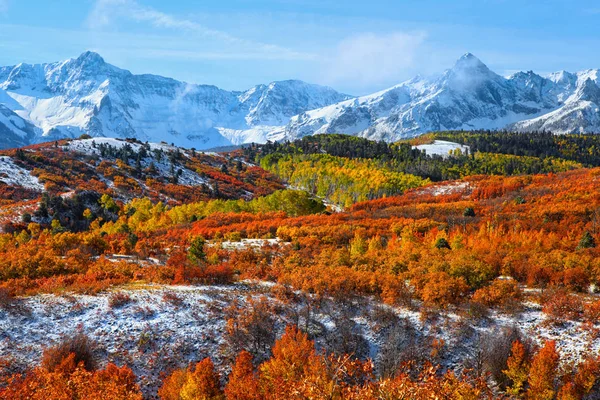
(468, 96)
(87, 95)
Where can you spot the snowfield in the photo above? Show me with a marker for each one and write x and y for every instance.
(163, 327)
(248, 244)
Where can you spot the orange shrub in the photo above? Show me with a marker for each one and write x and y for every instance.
(561, 306)
(498, 293)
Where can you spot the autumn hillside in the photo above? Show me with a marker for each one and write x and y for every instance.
(81, 171)
(339, 268)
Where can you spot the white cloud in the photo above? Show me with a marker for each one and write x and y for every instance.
(108, 12)
(370, 59)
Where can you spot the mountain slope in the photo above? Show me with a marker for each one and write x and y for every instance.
(467, 96)
(87, 95)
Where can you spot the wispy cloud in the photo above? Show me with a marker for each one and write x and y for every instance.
(373, 59)
(109, 12)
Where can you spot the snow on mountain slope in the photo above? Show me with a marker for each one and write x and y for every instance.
(467, 96)
(44, 102)
(273, 104)
(14, 130)
(14, 175)
(87, 95)
(580, 112)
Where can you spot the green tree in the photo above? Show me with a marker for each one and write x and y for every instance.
(442, 243)
(587, 241)
(108, 203)
(196, 251)
(26, 218)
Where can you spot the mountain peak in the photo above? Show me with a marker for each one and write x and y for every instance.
(468, 56)
(469, 62)
(90, 58)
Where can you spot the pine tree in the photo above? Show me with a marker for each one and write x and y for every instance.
(587, 241)
(196, 251)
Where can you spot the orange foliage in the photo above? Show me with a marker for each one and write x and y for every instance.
(542, 374)
(200, 382)
(243, 383)
(71, 381)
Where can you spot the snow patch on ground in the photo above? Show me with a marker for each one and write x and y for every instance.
(150, 334)
(248, 244)
(441, 148)
(446, 188)
(14, 175)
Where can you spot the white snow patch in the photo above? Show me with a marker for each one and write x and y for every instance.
(14, 175)
(446, 188)
(441, 148)
(248, 244)
(169, 326)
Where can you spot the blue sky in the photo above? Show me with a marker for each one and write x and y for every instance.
(354, 46)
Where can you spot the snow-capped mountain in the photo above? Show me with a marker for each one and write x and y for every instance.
(87, 95)
(467, 96)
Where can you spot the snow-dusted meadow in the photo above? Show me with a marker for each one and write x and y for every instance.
(162, 327)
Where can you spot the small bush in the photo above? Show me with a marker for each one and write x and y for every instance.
(587, 241)
(7, 300)
(498, 294)
(591, 311)
(234, 236)
(118, 300)
(561, 306)
(519, 200)
(26, 218)
(173, 299)
(78, 345)
(477, 311)
(143, 312)
(442, 243)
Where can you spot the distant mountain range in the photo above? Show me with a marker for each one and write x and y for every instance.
(86, 95)
(45, 102)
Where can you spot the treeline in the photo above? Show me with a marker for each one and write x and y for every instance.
(582, 148)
